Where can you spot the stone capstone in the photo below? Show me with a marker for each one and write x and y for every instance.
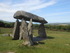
(27, 16)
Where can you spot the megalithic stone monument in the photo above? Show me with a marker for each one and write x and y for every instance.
(16, 30)
(25, 31)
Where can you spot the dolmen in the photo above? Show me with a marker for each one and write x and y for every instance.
(25, 31)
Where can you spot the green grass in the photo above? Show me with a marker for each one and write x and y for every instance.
(6, 30)
(57, 42)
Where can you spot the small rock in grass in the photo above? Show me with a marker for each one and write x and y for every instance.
(5, 34)
(11, 52)
(67, 44)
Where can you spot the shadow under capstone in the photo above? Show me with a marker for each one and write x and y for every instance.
(40, 39)
(37, 40)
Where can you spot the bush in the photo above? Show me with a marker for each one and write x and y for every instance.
(6, 24)
(58, 27)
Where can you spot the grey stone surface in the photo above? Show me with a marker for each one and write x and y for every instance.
(23, 30)
(27, 16)
(41, 31)
(24, 33)
(30, 30)
(16, 30)
(11, 35)
(5, 34)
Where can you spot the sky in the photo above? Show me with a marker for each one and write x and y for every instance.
(54, 11)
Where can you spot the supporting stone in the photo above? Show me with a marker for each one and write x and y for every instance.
(24, 33)
(16, 30)
(30, 30)
(20, 34)
(41, 31)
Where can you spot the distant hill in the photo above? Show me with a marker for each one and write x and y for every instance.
(59, 23)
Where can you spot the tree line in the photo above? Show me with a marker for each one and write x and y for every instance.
(35, 26)
(6, 24)
(58, 27)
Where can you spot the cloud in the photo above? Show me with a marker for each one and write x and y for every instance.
(27, 5)
(43, 5)
(58, 13)
(8, 7)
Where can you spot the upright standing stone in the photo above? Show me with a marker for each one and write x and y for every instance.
(30, 30)
(16, 30)
(41, 31)
(24, 33)
(21, 32)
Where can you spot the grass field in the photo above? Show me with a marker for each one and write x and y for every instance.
(57, 42)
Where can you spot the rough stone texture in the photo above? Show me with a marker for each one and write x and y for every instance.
(23, 30)
(5, 34)
(16, 30)
(41, 31)
(10, 52)
(27, 16)
(24, 33)
(30, 30)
